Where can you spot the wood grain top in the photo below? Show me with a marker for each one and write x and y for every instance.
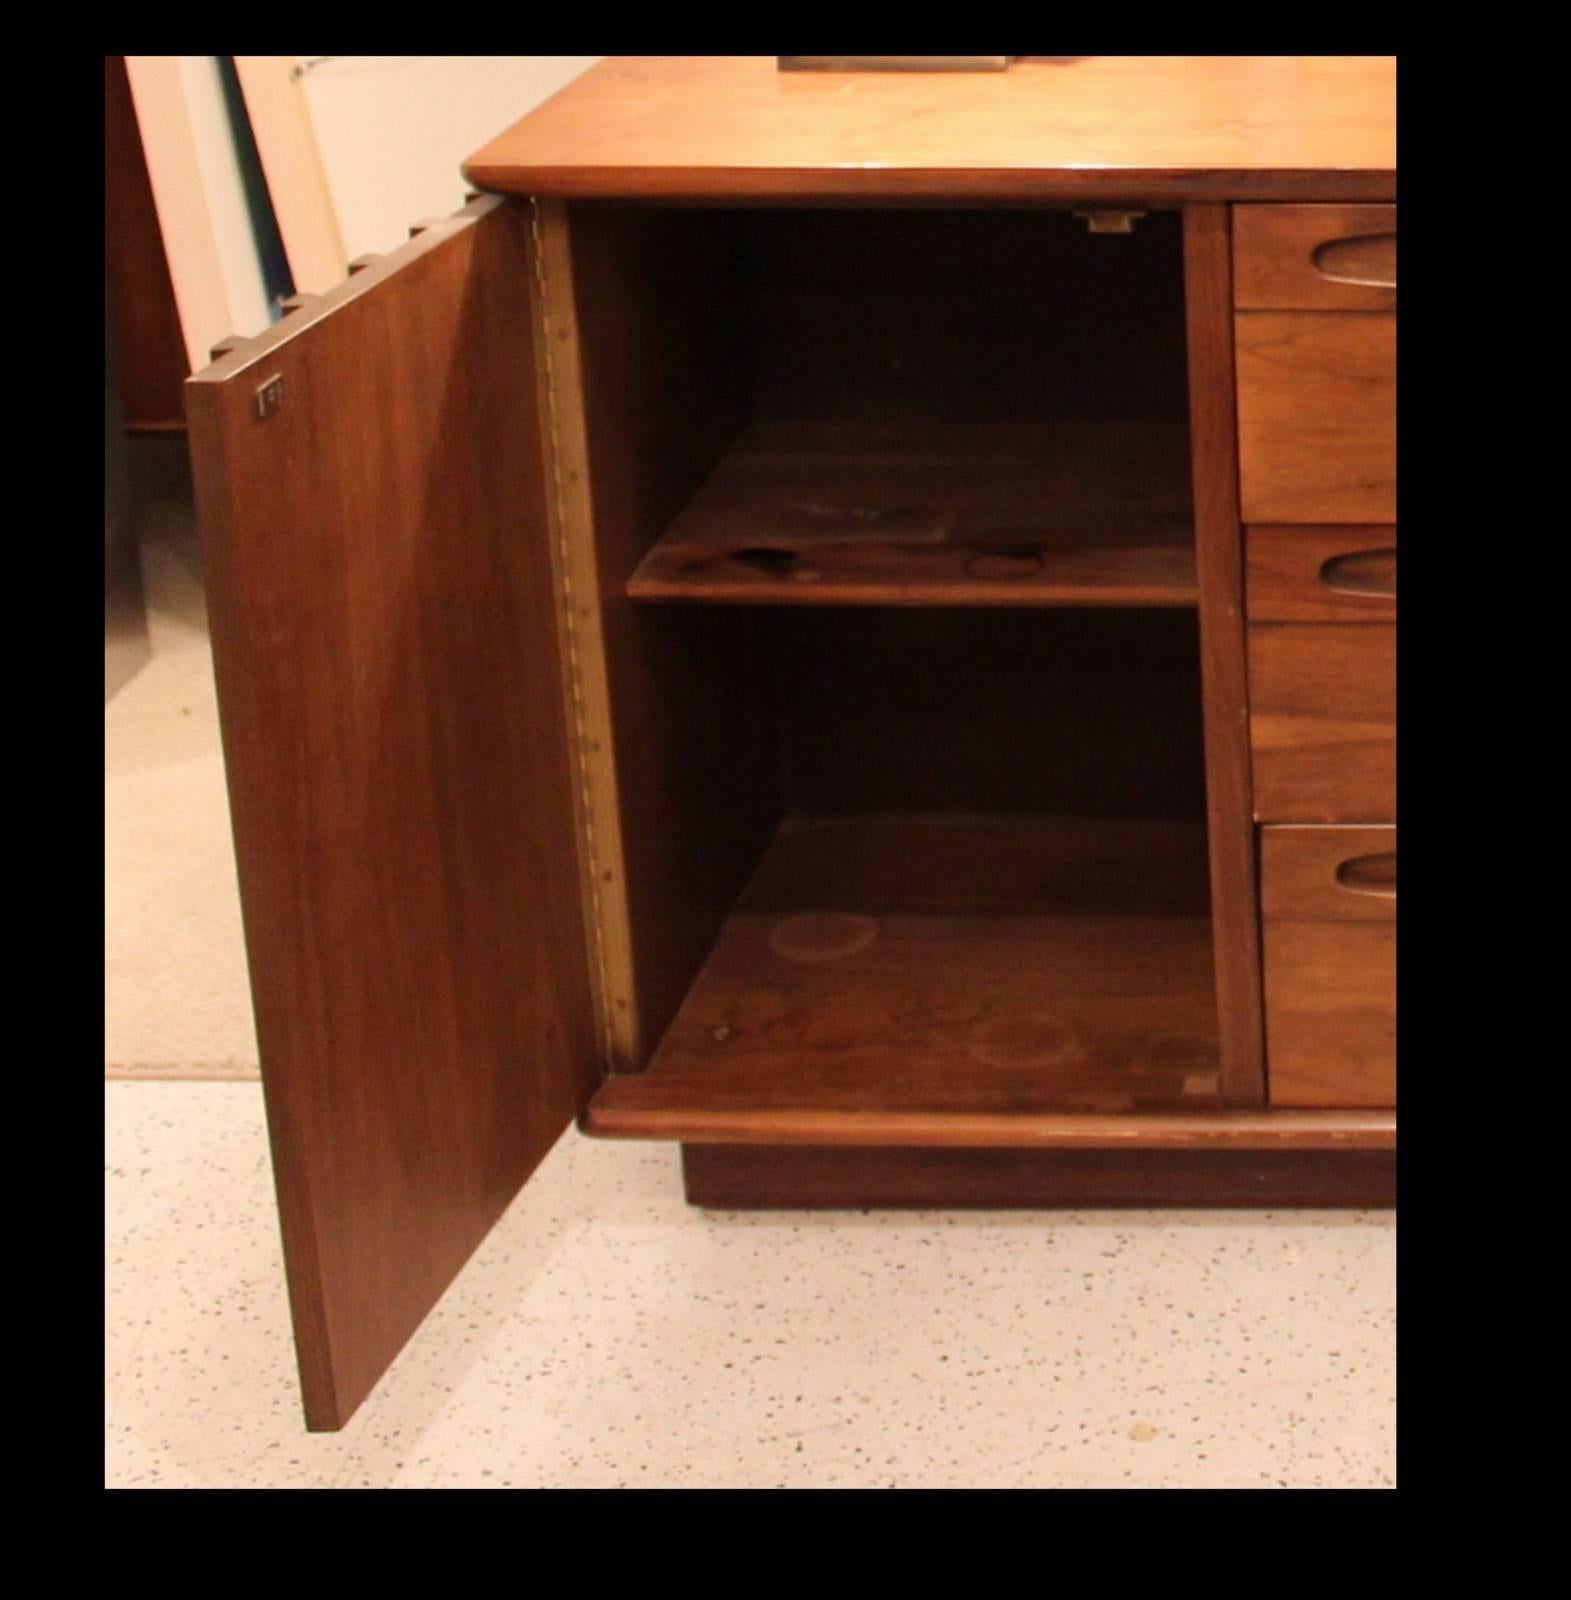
(1109, 127)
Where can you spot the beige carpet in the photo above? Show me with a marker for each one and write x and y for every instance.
(176, 1002)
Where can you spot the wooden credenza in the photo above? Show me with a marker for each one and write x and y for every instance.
(843, 621)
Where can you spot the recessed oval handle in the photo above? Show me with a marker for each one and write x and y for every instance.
(1370, 573)
(1374, 875)
(1367, 260)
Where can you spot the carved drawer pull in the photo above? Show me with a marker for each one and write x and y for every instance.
(1368, 260)
(1374, 875)
(1371, 573)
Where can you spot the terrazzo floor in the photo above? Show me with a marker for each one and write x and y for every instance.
(608, 1335)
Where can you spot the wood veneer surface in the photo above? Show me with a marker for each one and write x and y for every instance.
(1223, 664)
(730, 1177)
(1179, 127)
(1322, 717)
(383, 618)
(914, 972)
(1077, 513)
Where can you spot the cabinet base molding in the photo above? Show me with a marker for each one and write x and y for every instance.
(773, 1177)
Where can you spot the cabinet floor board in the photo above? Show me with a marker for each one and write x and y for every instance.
(889, 968)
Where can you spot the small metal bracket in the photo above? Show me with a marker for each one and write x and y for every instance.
(893, 63)
(270, 397)
(1110, 221)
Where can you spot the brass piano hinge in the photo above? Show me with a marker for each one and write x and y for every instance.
(602, 874)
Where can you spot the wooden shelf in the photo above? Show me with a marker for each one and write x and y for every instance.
(1080, 512)
(954, 981)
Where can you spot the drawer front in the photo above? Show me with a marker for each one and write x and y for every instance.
(1314, 258)
(1322, 721)
(1328, 874)
(1329, 900)
(1321, 574)
(1316, 416)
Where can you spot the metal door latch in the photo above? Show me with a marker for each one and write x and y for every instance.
(1110, 221)
(270, 397)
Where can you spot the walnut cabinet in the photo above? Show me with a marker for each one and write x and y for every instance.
(845, 623)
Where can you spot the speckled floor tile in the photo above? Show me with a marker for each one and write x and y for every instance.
(608, 1335)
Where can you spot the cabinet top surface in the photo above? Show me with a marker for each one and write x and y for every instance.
(1117, 127)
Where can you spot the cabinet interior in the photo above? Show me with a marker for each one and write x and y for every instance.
(892, 530)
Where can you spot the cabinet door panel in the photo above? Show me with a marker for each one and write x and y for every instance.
(372, 494)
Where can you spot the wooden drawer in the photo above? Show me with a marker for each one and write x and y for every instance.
(1317, 416)
(1314, 258)
(1328, 896)
(1343, 874)
(1322, 721)
(1321, 574)
(1315, 291)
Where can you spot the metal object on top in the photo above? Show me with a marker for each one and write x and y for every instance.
(893, 63)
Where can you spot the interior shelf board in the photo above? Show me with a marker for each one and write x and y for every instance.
(1076, 512)
(949, 980)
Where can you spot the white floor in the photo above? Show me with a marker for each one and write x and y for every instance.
(608, 1335)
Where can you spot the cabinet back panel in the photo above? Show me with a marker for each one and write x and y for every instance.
(1063, 713)
(1018, 316)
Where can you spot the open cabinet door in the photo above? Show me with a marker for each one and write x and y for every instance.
(372, 492)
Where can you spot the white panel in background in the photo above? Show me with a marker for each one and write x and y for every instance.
(392, 130)
(219, 164)
(163, 120)
(297, 185)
